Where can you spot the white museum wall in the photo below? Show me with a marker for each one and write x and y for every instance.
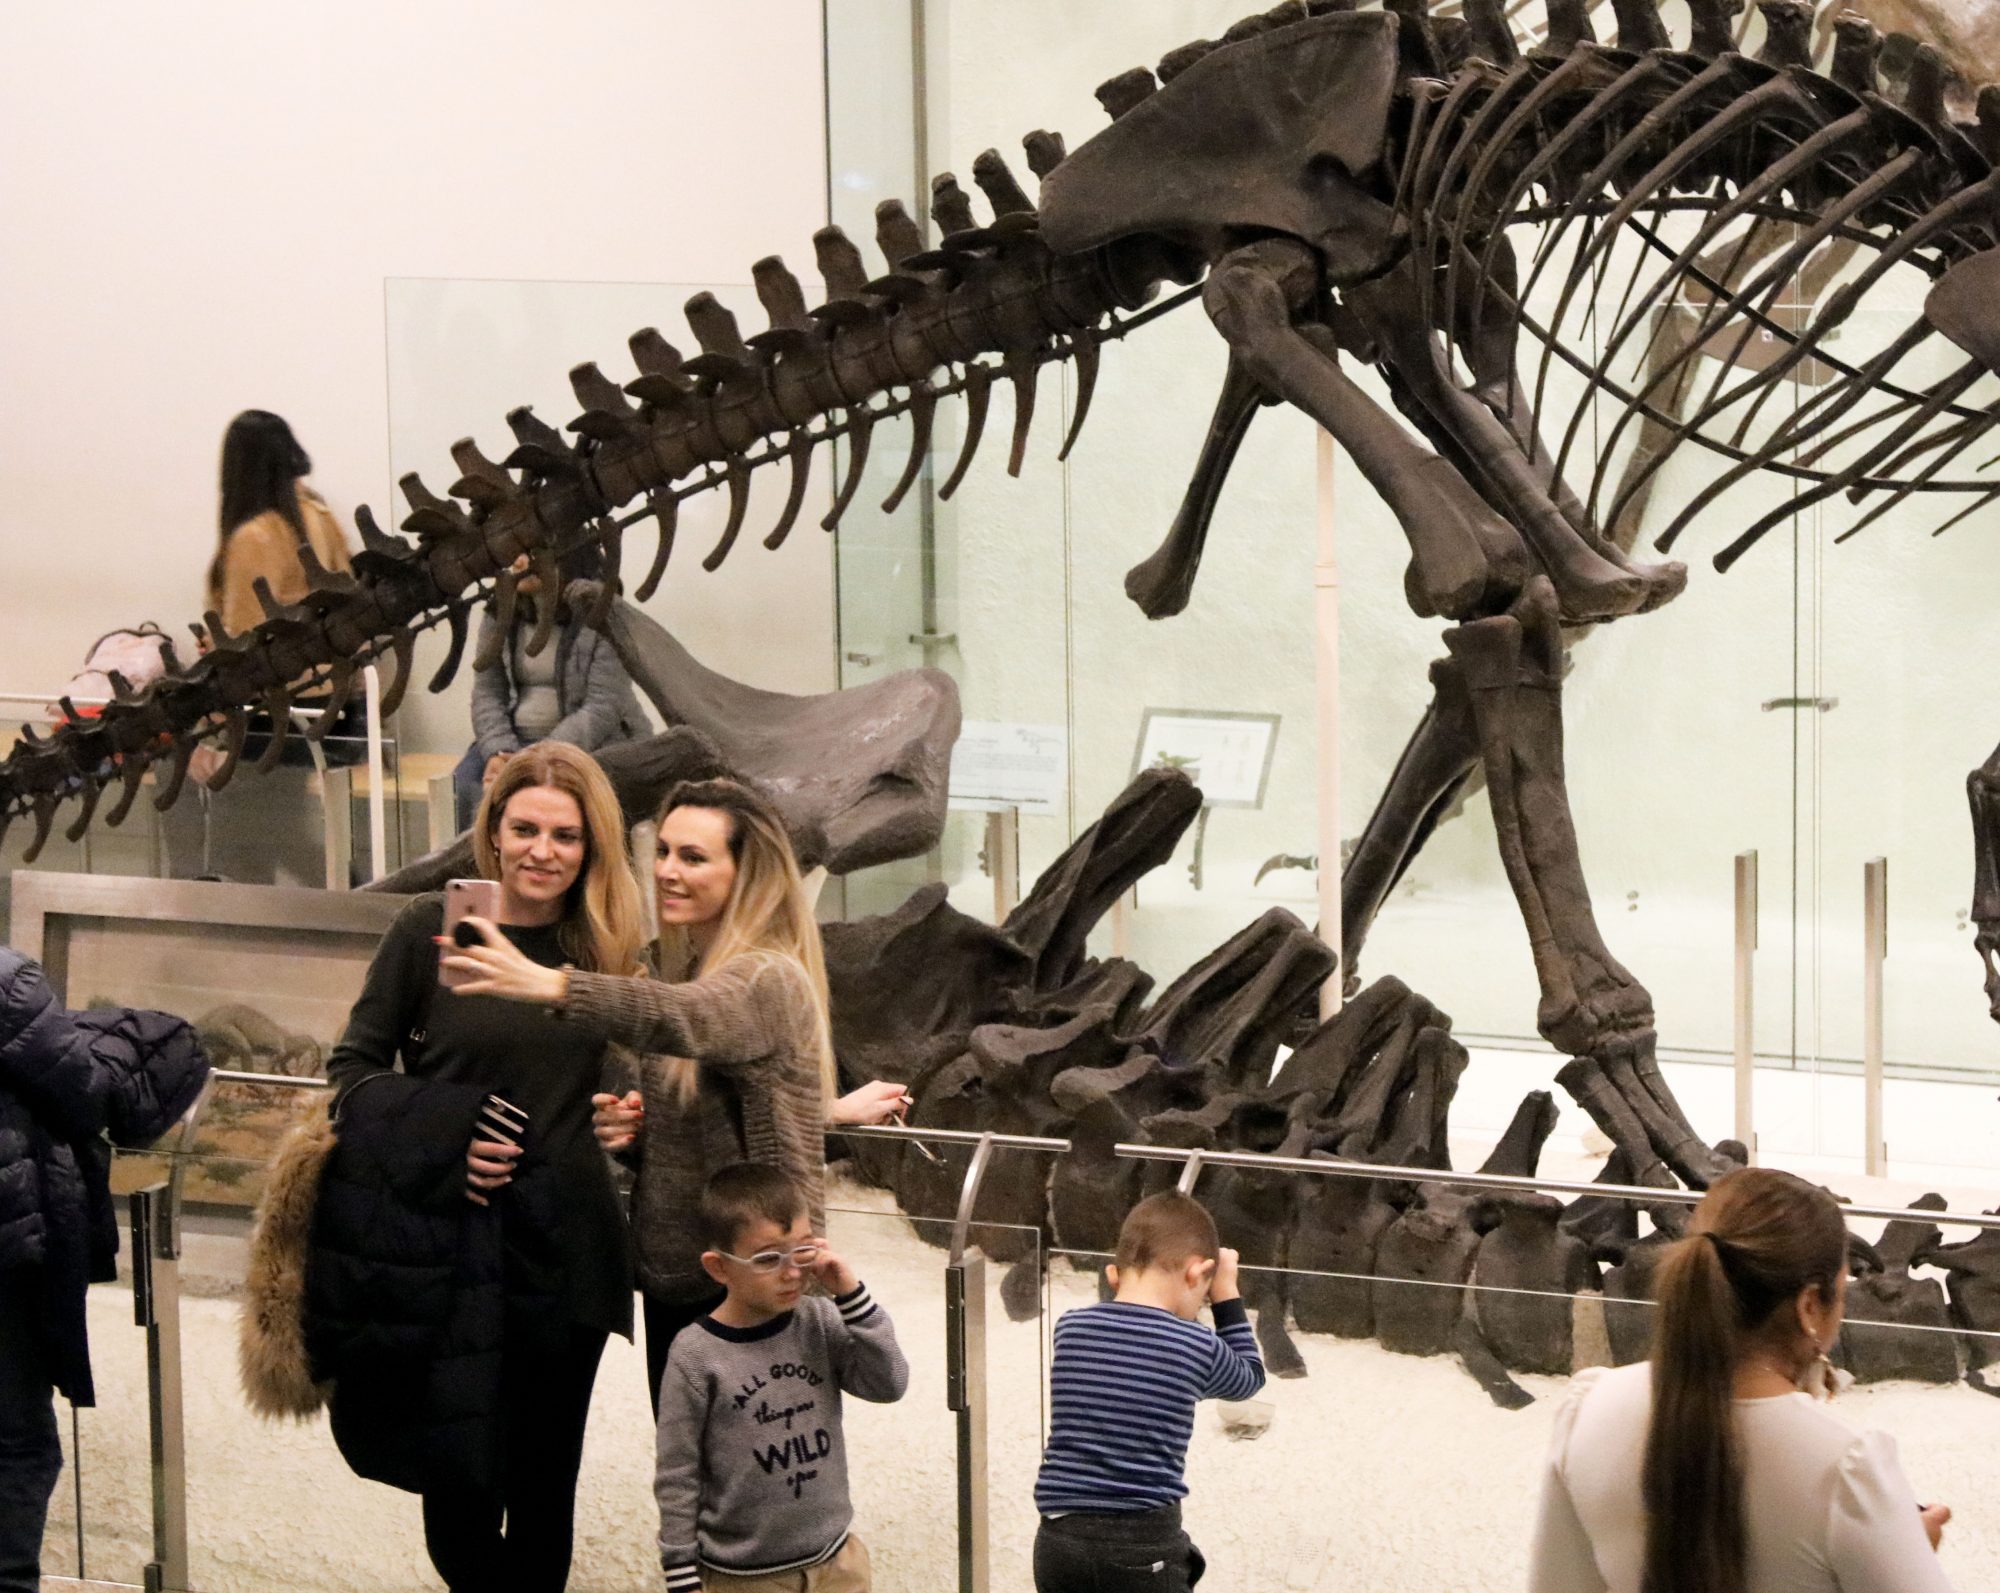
(209, 205)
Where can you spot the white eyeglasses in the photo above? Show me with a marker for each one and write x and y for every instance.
(769, 1261)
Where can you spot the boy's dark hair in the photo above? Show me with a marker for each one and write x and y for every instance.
(737, 1195)
(1166, 1230)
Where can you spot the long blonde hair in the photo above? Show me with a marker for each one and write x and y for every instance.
(766, 916)
(601, 929)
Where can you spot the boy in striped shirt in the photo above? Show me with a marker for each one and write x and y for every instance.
(1127, 1375)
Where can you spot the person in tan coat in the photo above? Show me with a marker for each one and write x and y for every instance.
(267, 831)
(268, 514)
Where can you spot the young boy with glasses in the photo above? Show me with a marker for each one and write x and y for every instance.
(752, 1475)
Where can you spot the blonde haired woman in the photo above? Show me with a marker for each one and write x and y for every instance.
(736, 1061)
(1713, 1470)
(550, 833)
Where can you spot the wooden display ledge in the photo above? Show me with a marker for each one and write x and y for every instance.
(418, 770)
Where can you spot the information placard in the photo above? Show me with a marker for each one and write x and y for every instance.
(1227, 754)
(999, 765)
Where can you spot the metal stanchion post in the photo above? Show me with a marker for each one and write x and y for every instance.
(1003, 859)
(1875, 948)
(378, 796)
(1746, 1011)
(443, 815)
(337, 797)
(965, 1375)
(156, 1306)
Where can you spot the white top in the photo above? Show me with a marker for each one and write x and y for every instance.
(1828, 1509)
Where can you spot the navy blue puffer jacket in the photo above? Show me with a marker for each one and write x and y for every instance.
(413, 1293)
(66, 1080)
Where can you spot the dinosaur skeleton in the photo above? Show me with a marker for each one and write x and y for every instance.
(1332, 185)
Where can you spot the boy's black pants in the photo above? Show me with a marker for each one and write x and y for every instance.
(1140, 1551)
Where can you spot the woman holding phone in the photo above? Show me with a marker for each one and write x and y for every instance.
(735, 1059)
(550, 845)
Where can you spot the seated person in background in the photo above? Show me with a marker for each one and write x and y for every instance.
(264, 831)
(267, 513)
(752, 1478)
(575, 691)
(1126, 1377)
(1714, 1469)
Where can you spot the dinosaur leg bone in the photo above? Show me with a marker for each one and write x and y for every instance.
(1982, 786)
(1465, 560)
(1438, 759)
(1160, 584)
(1590, 582)
(1511, 668)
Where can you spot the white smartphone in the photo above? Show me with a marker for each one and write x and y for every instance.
(463, 899)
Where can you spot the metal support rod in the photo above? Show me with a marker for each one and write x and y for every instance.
(76, 1481)
(378, 798)
(1642, 1194)
(337, 800)
(156, 1307)
(965, 1375)
(1121, 922)
(1189, 1173)
(1746, 999)
(953, 1136)
(1875, 949)
(1326, 677)
(1003, 859)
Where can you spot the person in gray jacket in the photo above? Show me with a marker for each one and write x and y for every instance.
(752, 1475)
(575, 690)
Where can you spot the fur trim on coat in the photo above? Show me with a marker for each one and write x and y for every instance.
(271, 1347)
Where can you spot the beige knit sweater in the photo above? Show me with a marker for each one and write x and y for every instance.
(268, 546)
(751, 1028)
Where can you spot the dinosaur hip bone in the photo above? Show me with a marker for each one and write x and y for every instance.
(858, 775)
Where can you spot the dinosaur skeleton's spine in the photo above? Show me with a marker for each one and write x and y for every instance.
(990, 303)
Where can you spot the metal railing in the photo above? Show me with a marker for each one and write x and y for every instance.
(155, 1217)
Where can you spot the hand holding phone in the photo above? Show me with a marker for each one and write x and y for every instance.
(463, 899)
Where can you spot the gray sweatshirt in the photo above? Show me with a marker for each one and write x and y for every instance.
(752, 1475)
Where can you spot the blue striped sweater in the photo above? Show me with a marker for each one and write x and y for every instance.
(1123, 1389)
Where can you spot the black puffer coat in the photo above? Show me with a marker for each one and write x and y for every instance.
(413, 1292)
(66, 1080)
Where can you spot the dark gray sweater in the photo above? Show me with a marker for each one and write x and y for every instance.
(752, 1476)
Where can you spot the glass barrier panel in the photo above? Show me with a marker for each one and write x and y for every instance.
(1904, 640)
(272, 1503)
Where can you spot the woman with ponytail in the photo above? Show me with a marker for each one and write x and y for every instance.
(734, 1061)
(1716, 1467)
